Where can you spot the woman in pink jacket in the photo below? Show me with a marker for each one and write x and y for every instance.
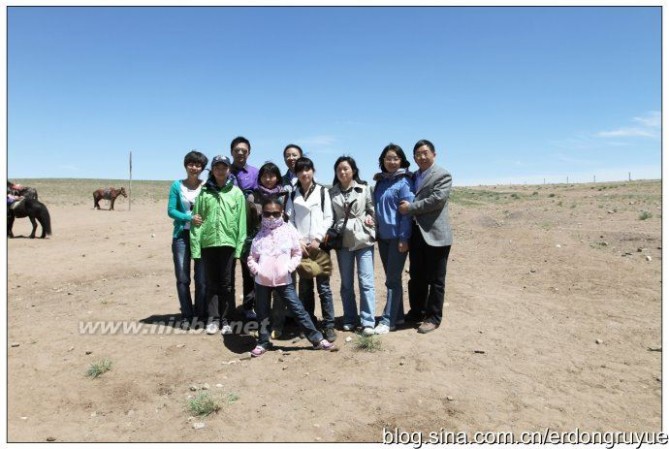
(275, 254)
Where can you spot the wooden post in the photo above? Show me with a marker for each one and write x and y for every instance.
(130, 184)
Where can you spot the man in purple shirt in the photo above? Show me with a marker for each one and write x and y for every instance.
(246, 178)
(247, 175)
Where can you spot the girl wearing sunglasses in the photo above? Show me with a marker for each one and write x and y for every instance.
(270, 185)
(275, 254)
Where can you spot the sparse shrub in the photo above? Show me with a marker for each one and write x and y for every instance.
(232, 398)
(535, 193)
(551, 195)
(203, 405)
(99, 368)
(371, 343)
(644, 215)
(573, 205)
(559, 203)
(515, 196)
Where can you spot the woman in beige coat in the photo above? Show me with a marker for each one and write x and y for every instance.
(358, 237)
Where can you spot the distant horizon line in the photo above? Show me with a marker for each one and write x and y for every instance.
(455, 185)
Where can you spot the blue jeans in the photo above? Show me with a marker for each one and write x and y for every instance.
(279, 308)
(182, 263)
(289, 297)
(365, 260)
(324, 292)
(393, 265)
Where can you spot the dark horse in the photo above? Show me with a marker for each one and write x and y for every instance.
(109, 193)
(32, 209)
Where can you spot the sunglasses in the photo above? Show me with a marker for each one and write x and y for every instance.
(272, 214)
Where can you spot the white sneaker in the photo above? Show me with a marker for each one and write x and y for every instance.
(381, 329)
(367, 331)
(226, 329)
(211, 328)
(348, 327)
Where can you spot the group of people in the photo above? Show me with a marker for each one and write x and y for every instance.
(273, 223)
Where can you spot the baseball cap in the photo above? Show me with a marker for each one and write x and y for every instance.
(220, 160)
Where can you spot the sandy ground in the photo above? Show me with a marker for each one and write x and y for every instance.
(552, 307)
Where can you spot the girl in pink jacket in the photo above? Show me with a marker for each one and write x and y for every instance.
(275, 254)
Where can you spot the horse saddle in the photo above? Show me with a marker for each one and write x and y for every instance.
(15, 204)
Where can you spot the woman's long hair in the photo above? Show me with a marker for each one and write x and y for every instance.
(354, 167)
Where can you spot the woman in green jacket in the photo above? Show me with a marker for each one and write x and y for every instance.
(219, 240)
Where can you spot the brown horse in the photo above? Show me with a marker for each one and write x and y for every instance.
(109, 193)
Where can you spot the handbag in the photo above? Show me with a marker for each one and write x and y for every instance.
(334, 235)
(333, 240)
(318, 263)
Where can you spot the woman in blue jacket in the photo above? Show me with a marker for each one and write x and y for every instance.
(393, 185)
(182, 197)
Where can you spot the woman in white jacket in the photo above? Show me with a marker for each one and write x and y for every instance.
(310, 212)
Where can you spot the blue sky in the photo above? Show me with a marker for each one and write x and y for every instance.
(507, 94)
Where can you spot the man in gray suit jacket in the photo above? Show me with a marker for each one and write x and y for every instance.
(431, 238)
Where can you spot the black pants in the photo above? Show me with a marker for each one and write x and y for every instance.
(428, 277)
(306, 295)
(218, 264)
(248, 283)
